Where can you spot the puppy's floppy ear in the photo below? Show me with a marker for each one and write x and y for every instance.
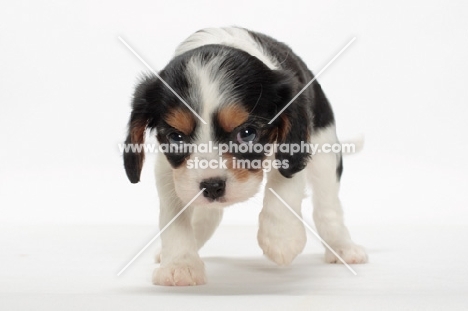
(142, 116)
(293, 125)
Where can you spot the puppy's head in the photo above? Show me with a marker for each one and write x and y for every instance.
(236, 95)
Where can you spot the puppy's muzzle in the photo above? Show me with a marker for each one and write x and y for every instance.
(214, 188)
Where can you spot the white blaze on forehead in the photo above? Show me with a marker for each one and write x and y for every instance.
(205, 92)
(207, 82)
(205, 79)
(230, 36)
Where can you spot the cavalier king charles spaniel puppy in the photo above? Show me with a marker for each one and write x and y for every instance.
(224, 87)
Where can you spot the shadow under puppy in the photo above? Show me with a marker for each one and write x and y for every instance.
(237, 81)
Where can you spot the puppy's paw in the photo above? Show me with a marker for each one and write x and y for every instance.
(351, 253)
(281, 243)
(180, 274)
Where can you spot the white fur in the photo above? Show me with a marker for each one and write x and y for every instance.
(180, 263)
(281, 235)
(328, 214)
(235, 37)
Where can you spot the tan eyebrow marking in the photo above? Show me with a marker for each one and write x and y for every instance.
(182, 120)
(232, 116)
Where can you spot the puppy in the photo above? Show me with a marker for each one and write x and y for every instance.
(237, 81)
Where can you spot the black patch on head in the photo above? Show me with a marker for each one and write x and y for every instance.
(319, 109)
(175, 156)
(152, 100)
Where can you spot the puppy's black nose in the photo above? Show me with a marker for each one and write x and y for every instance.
(214, 188)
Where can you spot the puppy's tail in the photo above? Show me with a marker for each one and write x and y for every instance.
(352, 146)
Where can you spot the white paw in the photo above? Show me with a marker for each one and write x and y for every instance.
(157, 258)
(180, 274)
(351, 253)
(281, 243)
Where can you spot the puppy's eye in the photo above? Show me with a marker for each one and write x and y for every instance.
(246, 135)
(175, 138)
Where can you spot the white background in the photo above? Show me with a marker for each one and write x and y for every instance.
(66, 83)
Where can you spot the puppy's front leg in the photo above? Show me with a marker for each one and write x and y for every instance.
(281, 235)
(180, 263)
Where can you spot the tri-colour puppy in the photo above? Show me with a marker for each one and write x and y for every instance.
(237, 81)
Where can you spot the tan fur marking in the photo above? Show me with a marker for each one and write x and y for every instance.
(284, 128)
(137, 132)
(137, 136)
(182, 120)
(273, 135)
(240, 174)
(232, 116)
